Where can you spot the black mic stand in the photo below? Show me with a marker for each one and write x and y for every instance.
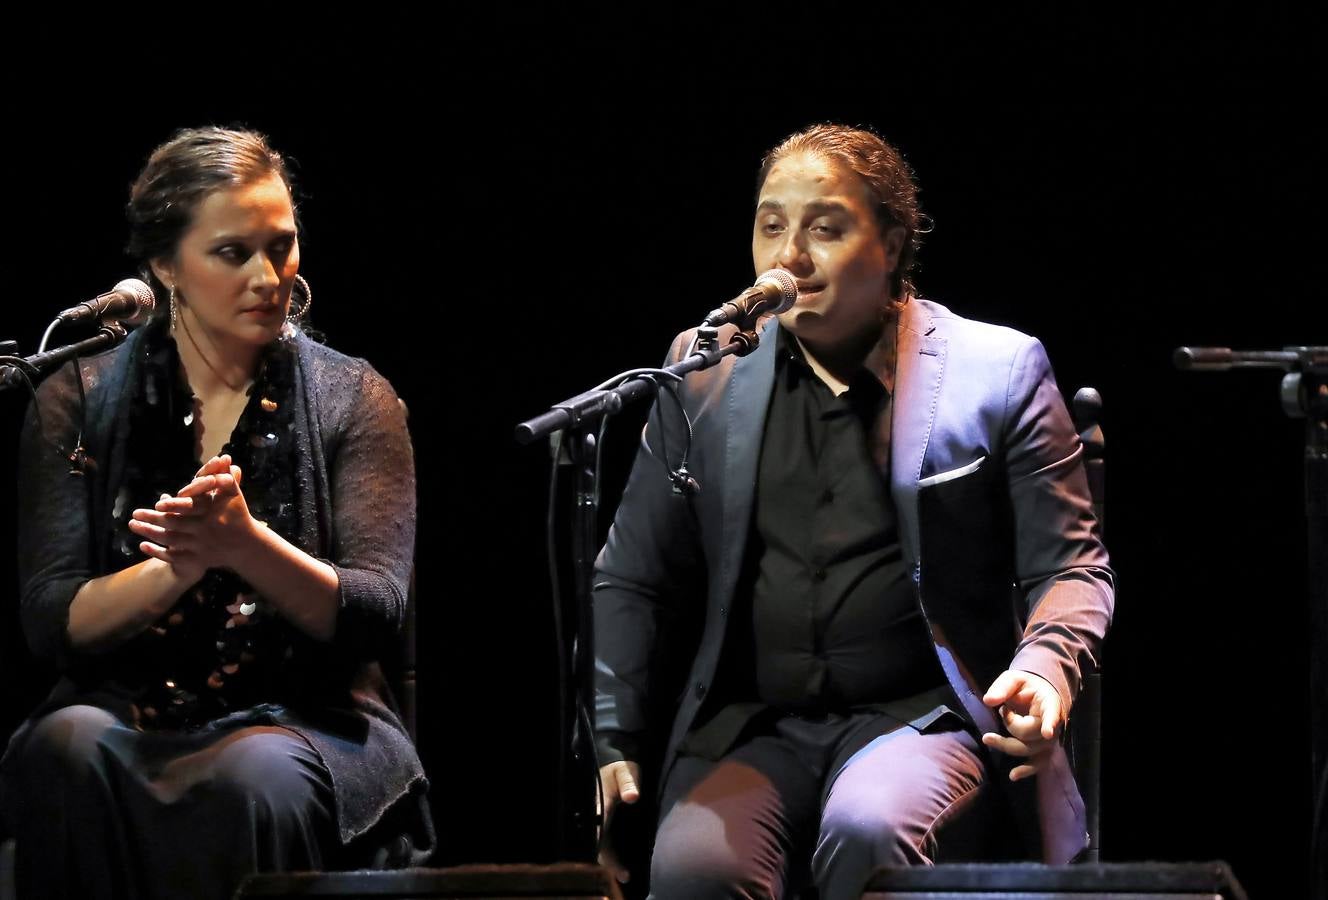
(1304, 396)
(570, 427)
(14, 368)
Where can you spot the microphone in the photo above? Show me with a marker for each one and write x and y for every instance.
(774, 292)
(129, 300)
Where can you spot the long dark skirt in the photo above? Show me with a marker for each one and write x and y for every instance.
(100, 809)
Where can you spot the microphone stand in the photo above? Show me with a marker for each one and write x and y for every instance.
(570, 427)
(1304, 395)
(13, 368)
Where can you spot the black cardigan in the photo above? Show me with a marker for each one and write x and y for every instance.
(356, 496)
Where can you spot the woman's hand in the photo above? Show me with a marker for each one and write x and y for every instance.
(206, 525)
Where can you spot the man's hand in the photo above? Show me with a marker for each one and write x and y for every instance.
(618, 781)
(1031, 710)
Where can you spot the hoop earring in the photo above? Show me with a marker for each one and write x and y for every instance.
(301, 291)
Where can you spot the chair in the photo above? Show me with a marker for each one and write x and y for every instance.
(1085, 732)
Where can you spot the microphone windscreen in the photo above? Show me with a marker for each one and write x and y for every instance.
(788, 289)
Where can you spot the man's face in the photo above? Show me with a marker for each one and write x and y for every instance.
(815, 219)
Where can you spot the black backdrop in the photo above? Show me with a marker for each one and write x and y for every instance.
(500, 215)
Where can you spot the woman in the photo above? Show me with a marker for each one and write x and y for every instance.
(216, 544)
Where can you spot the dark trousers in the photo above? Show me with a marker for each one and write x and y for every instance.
(827, 800)
(101, 810)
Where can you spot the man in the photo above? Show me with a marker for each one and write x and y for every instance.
(875, 478)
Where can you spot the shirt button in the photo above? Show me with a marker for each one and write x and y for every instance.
(818, 575)
(828, 497)
(700, 690)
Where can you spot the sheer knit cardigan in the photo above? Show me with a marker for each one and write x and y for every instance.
(355, 484)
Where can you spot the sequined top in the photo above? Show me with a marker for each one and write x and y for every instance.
(221, 647)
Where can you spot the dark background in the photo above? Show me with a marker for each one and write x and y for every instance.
(501, 215)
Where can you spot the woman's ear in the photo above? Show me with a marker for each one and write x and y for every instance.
(164, 271)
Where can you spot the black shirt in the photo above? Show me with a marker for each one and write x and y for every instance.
(834, 616)
(827, 617)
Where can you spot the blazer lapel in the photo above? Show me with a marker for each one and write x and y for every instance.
(920, 362)
(748, 400)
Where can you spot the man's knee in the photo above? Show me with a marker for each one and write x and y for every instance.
(887, 801)
(880, 833)
(694, 857)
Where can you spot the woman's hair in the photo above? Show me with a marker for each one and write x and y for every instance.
(889, 178)
(179, 175)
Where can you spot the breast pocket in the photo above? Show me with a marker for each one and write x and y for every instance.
(953, 474)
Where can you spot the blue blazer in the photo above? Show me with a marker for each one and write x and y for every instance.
(995, 518)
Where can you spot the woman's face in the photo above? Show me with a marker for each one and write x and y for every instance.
(815, 219)
(235, 265)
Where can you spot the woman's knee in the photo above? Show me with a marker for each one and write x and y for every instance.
(62, 747)
(274, 773)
